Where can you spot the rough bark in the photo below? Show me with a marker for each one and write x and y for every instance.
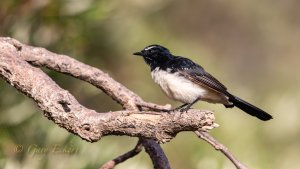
(145, 120)
(62, 108)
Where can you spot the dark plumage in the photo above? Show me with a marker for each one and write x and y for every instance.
(183, 80)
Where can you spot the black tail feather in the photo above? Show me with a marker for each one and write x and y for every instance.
(249, 108)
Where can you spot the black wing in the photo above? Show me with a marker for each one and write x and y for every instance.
(197, 74)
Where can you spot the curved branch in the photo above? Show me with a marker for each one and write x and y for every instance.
(219, 146)
(61, 63)
(94, 76)
(63, 109)
(157, 156)
(112, 163)
(65, 64)
(154, 150)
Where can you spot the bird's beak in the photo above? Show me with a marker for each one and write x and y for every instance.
(138, 53)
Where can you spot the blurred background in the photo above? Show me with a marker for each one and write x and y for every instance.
(250, 46)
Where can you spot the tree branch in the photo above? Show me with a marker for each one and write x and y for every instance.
(139, 119)
(65, 64)
(62, 108)
(112, 163)
(220, 147)
(94, 76)
(156, 154)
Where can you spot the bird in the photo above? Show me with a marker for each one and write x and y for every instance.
(183, 80)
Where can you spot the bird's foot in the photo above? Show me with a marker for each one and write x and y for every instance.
(185, 109)
(179, 108)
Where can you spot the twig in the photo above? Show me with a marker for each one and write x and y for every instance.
(220, 147)
(112, 163)
(154, 150)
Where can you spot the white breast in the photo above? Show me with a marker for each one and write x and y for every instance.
(181, 89)
(177, 87)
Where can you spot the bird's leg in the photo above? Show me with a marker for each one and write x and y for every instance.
(189, 105)
(180, 107)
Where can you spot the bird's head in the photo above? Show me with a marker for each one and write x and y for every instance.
(155, 55)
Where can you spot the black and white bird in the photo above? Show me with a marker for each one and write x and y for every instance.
(183, 80)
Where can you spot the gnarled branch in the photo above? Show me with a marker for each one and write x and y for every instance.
(62, 108)
(139, 119)
(64, 64)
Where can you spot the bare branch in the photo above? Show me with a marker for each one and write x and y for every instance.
(220, 147)
(138, 120)
(65, 64)
(63, 109)
(154, 150)
(112, 163)
(156, 154)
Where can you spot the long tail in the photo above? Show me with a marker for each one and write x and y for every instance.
(249, 108)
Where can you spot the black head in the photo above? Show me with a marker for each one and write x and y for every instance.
(155, 55)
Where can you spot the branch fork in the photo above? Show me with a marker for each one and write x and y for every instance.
(19, 66)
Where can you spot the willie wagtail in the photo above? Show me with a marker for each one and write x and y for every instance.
(183, 80)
